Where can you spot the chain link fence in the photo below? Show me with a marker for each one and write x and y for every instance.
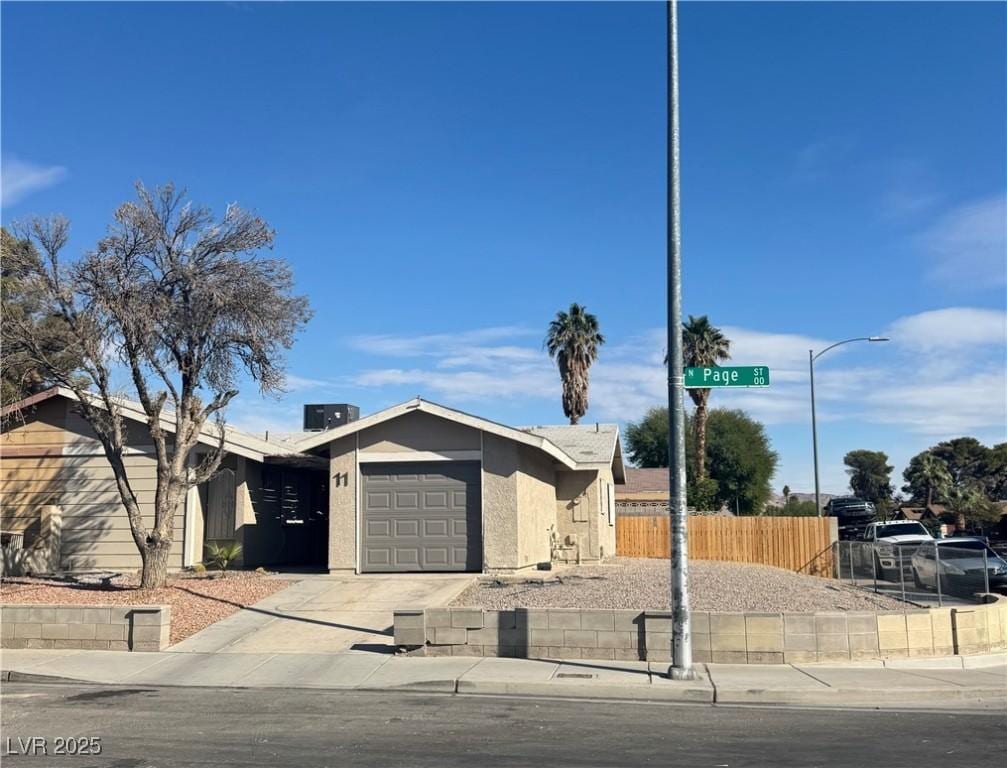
(939, 572)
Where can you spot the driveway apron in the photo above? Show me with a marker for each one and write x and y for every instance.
(326, 614)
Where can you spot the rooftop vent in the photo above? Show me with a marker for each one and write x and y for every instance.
(320, 417)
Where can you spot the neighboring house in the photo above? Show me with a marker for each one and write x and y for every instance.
(923, 514)
(645, 492)
(51, 456)
(416, 487)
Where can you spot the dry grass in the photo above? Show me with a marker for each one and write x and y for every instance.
(196, 600)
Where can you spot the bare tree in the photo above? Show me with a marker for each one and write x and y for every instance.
(184, 304)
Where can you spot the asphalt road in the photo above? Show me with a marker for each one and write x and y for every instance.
(234, 727)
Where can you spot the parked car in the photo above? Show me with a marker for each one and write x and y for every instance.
(961, 566)
(887, 540)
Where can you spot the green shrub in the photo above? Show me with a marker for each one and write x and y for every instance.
(223, 554)
(199, 568)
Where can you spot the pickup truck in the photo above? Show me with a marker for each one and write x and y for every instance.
(882, 543)
(852, 516)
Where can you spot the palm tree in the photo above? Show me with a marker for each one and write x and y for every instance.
(927, 472)
(704, 346)
(573, 340)
(965, 500)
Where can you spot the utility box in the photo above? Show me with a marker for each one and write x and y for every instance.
(320, 417)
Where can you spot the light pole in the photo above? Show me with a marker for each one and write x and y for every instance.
(814, 426)
(681, 635)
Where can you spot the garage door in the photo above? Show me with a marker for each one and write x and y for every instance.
(421, 517)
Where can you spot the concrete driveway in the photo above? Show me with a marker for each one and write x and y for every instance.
(326, 614)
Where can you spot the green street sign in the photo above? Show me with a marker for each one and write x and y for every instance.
(727, 376)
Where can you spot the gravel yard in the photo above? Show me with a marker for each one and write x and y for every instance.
(642, 583)
(196, 600)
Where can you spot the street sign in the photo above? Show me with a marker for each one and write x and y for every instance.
(727, 376)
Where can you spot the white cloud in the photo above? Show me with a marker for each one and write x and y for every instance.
(437, 344)
(962, 404)
(816, 158)
(295, 383)
(258, 416)
(968, 246)
(19, 178)
(950, 329)
(955, 382)
(910, 189)
(466, 386)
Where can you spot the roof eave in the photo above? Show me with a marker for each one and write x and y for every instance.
(417, 404)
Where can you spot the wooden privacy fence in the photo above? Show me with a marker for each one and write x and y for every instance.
(801, 544)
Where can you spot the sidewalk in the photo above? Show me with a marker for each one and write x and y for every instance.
(957, 682)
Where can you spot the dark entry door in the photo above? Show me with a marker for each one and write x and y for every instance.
(421, 516)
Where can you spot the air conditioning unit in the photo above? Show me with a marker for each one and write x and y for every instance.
(319, 417)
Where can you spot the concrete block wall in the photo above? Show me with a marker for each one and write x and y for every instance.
(84, 627)
(719, 638)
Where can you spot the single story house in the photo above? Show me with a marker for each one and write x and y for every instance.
(647, 492)
(415, 487)
(925, 514)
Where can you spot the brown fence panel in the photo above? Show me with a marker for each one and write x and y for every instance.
(795, 543)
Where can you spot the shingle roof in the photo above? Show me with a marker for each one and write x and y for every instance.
(235, 441)
(587, 443)
(646, 480)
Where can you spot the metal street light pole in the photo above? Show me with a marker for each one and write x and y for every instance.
(681, 635)
(814, 426)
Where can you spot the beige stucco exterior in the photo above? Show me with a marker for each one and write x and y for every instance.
(526, 495)
(343, 504)
(537, 502)
(418, 432)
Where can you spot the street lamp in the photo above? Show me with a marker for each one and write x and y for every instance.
(681, 630)
(814, 427)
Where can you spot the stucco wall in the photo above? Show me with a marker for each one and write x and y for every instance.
(536, 499)
(342, 504)
(500, 503)
(522, 493)
(578, 511)
(418, 432)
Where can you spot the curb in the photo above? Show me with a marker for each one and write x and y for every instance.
(865, 699)
(595, 690)
(658, 690)
(13, 676)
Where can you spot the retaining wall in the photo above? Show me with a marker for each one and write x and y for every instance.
(724, 638)
(103, 627)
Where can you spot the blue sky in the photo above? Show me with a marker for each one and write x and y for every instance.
(445, 177)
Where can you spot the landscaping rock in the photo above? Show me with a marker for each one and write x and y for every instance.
(643, 583)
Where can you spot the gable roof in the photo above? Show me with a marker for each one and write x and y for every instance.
(647, 480)
(581, 446)
(576, 449)
(235, 441)
(586, 443)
